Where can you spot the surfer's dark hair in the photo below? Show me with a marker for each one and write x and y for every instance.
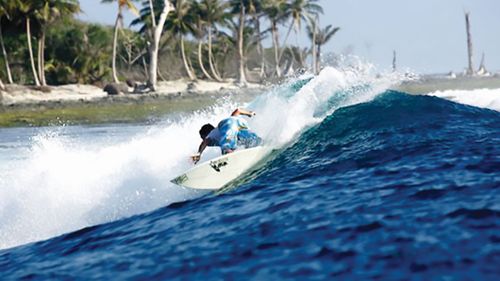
(205, 130)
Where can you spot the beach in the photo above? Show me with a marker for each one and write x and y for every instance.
(88, 104)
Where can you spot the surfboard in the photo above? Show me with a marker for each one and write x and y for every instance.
(216, 173)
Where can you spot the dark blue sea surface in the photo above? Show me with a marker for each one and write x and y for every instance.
(399, 188)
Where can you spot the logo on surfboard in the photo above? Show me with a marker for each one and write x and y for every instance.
(216, 165)
(180, 179)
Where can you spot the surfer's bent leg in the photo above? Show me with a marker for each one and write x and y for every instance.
(248, 139)
(228, 144)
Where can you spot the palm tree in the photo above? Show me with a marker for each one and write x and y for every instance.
(213, 13)
(6, 8)
(26, 10)
(274, 10)
(299, 55)
(322, 37)
(200, 33)
(239, 8)
(46, 13)
(298, 10)
(122, 4)
(181, 24)
(255, 9)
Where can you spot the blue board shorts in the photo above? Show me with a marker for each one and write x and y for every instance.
(234, 132)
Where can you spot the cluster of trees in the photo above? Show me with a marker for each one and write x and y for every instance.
(42, 42)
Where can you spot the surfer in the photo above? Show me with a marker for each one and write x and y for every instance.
(229, 134)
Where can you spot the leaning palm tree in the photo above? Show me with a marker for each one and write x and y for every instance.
(255, 10)
(200, 33)
(6, 8)
(26, 10)
(47, 13)
(274, 10)
(181, 23)
(122, 4)
(213, 13)
(321, 38)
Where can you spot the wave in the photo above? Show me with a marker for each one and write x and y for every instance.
(394, 130)
(73, 177)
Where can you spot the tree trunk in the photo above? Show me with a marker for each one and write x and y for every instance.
(241, 56)
(260, 49)
(210, 56)
(153, 50)
(5, 57)
(470, 69)
(276, 46)
(191, 68)
(184, 60)
(284, 41)
(38, 60)
(200, 60)
(314, 57)
(145, 65)
(30, 49)
(115, 44)
(41, 58)
(2, 87)
(318, 59)
(217, 72)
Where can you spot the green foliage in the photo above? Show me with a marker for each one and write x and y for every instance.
(78, 53)
(322, 35)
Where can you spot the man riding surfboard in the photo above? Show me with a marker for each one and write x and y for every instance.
(229, 134)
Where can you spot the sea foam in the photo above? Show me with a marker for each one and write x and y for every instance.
(484, 98)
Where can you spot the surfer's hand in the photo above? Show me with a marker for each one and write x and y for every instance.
(252, 113)
(195, 158)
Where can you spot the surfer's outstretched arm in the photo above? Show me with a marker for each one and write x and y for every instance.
(202, 147)
(241, 111)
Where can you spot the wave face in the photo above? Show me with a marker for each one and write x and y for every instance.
(367, 183)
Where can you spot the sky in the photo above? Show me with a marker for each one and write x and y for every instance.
(427, 35)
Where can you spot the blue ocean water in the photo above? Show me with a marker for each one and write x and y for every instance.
(399, 187)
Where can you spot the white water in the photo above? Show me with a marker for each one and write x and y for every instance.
(485, 98)
(65, 178)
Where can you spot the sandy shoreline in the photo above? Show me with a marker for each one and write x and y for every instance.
(22, 106)
(17, 96)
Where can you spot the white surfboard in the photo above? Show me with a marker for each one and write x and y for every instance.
(216, 173)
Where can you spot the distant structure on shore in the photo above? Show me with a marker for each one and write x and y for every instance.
(394, 68)
(470, 69)
(482, 69)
